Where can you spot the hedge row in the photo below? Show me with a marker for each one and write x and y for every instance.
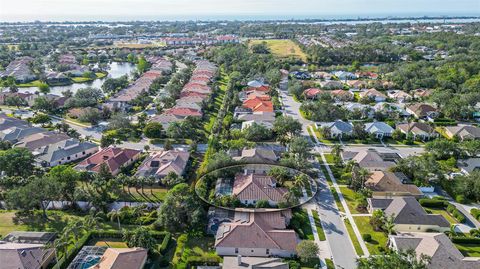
(435, 203)
(456, 214)
(65, 261)
(203, 260)
(466, 240)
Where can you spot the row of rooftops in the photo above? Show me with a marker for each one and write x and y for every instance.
(192, 96)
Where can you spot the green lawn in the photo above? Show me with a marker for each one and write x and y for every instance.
(318, 224)
(329, 158)
(337, 200)
(442, 212)
(379, 239)
(108, 242)
(34, 83)
(301, 224)
(218, 101)
(57, 220)
(189, 246)
(155, 194)
(350, 197)
(353, 238)
(469, 250)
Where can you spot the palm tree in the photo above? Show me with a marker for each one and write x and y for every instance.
(61, 245)
(389, 225)
(115, 214)
(92, 220)
(151, 180)
(75, 229)
(337, 153)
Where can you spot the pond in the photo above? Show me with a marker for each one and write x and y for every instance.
(117, 69)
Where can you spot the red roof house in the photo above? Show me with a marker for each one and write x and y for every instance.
(114, 158)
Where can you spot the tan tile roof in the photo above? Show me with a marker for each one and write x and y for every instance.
(389, 182)
(257, 187)
(122, 258)
(258, 230)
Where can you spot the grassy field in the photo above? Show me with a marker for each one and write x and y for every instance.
(349, 195)
(318, 224)
(353, 238)
(325, 173)
(283, 48)
(379, 239)
(469, 250)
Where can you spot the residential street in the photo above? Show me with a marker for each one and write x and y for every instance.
(341, 248)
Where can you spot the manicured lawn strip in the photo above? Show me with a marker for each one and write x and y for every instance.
(330, 264)
(353, 238)
(318, 224)
(379, 239)
(301, 224)
(325, 173)
(329, 158)
(349, 196)
(108, 242)
(218, 101)
(34, 83)
(442, 212)
(469, 250)
(337, 200)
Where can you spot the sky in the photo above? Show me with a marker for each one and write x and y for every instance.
(124, 10)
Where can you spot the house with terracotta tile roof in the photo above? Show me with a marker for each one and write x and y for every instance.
(183, 112)
(257, 235)
(114, 158)
(258, 105)
(442, 252)
(250, 188)
(122, 258)
(160, 164)
(388, 184)
(312, 93)
(357, 84)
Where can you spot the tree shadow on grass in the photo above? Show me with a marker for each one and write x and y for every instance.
(35, 221)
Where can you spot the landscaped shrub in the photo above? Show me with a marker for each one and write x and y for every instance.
(459, 216)
(451, 208)
(436, 203)
(165, 242)
(367, 237)
(460, 198)
(475, 213)
(381, 249)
